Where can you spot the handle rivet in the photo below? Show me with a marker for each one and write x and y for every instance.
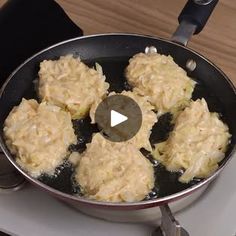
(191, 64)
(150, 49)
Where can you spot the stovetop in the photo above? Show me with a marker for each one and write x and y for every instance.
(31, 212)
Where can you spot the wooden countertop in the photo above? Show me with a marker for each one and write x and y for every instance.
(217, 41)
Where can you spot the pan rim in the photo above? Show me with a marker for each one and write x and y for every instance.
(112, 205)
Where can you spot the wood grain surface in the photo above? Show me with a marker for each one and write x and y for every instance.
(217, 41)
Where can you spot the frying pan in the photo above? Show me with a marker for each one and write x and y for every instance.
(112, 52)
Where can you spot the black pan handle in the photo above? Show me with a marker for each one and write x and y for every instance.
(4, 234)
(192, 19)
(197, 12)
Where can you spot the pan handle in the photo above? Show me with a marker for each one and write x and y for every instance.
(192, 19)
(169, 226)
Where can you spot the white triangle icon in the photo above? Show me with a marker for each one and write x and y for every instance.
(117, 118)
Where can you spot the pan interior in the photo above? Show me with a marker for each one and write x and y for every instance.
(112, 53)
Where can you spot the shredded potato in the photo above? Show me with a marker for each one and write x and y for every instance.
(114, 172)
(72, 85)
(39, 136)
(149, 118)
(197, 143)
(158, 77)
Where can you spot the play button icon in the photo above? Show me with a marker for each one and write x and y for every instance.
(118, 117)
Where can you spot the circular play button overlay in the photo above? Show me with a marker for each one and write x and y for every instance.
(119, 118)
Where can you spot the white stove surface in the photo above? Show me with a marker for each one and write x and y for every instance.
(31, 212)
